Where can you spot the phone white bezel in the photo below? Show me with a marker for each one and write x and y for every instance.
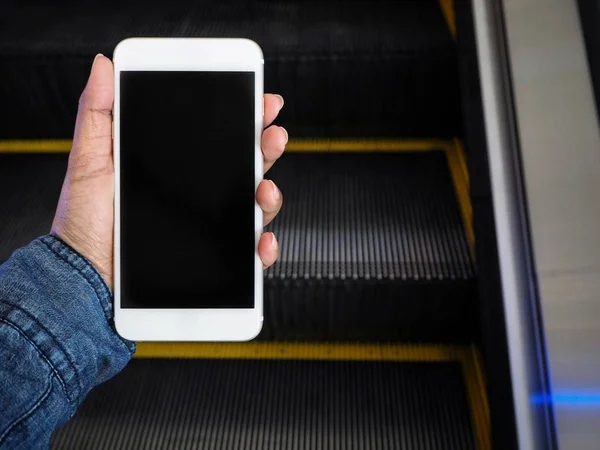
(189, 54)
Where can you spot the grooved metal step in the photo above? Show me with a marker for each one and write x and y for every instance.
(275, 404)
(371, 215)
(373, 247)
(359, 68)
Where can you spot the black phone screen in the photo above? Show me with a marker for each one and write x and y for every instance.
(187, 186)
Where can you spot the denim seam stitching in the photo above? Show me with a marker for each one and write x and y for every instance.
(90, 284)
(42, 354)
(27, 414)
(56, 341)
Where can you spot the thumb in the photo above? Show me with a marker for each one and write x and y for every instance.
(91, 153)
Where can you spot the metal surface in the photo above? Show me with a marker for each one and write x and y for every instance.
(397, 58)
(560, 146)
(260, 404)
(372, 248)
(29, 191)
(371, 215)
(375, 235)
(531, 420)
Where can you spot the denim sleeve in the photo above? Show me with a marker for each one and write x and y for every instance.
(57, 340)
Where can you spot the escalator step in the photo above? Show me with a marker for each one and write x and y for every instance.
(373, 245)
(30, 186)
(359, 68)
(372, 248)
(369, 215)
(275, 404)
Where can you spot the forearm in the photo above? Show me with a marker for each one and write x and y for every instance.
(57, 340)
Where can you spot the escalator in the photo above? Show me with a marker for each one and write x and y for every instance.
(282, 403)
(377, 314)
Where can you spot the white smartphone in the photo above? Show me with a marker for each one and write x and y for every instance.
(188, 118)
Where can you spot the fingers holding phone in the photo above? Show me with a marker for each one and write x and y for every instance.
(190, 201)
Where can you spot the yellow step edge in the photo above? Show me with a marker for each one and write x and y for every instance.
(294, 145)
(447, 7)
(300, 350)
(366, 145)
(35, 146)
(477, 395)
(457, 163)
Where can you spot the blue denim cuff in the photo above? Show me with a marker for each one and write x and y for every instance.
(56, 298)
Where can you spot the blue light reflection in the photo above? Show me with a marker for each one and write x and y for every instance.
(574, 398)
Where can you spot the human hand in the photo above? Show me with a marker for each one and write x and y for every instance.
(85, 214)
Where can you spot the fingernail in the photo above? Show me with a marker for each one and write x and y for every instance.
(273, 241)
(276, 192)
(281, 102)
(287, 137)
(96, 57)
